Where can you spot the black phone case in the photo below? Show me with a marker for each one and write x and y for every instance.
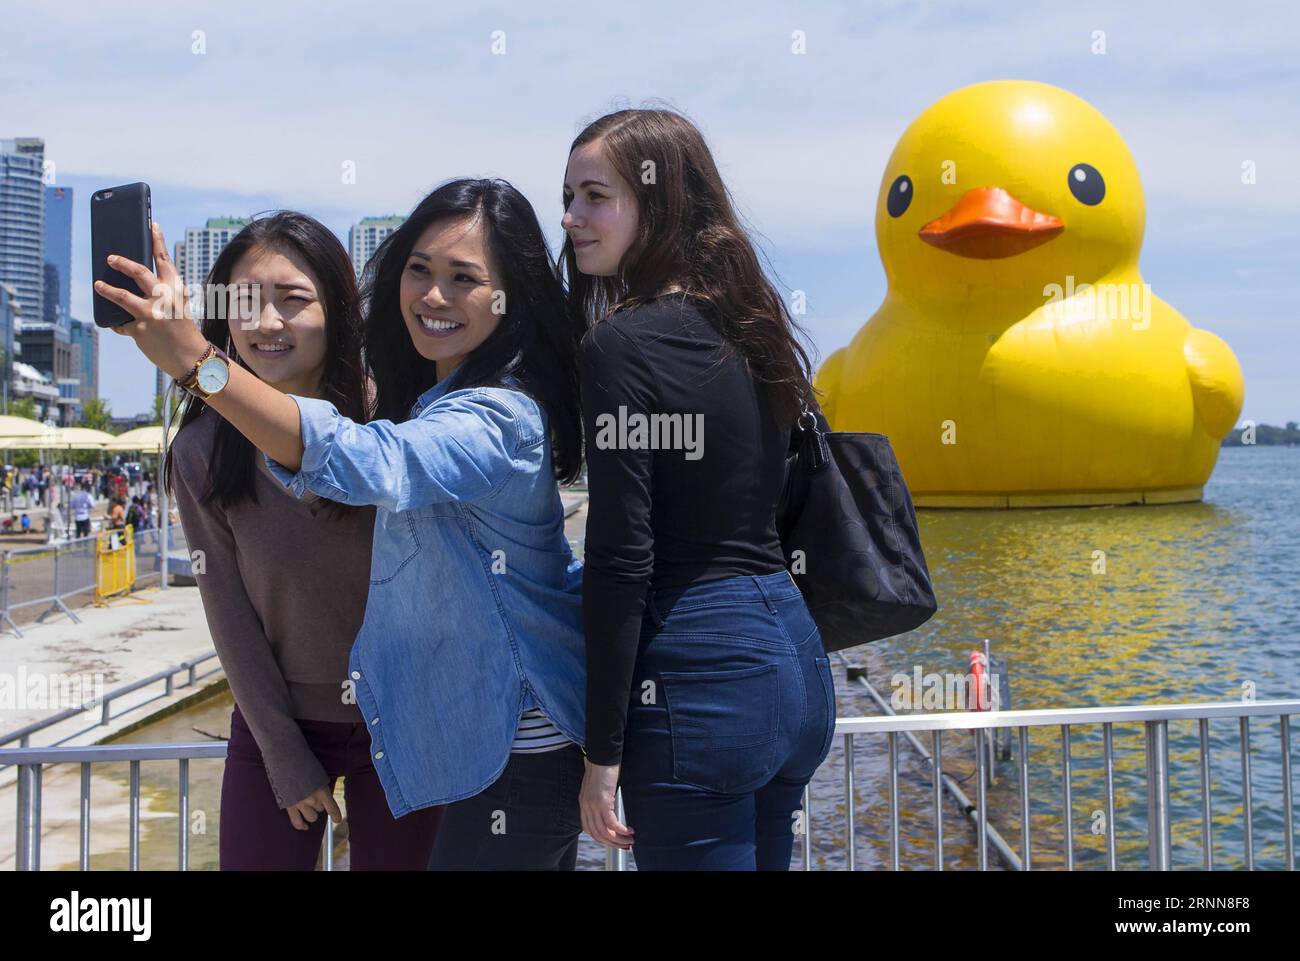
(119, 224)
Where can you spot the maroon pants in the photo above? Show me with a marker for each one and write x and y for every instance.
(257, 835)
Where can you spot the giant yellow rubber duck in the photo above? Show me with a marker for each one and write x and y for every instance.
(1018, 358)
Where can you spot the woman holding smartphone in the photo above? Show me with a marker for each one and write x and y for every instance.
(709, 697)
(284, 581)
(469, 662)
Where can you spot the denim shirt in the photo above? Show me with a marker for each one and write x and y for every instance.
(474, 613)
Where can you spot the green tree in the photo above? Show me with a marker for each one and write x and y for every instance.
(96, 414)
(23, 407)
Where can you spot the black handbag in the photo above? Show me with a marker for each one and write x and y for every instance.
(848, 531)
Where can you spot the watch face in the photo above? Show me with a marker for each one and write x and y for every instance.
(213, 375)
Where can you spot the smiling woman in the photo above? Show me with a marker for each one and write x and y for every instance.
(468, 664)
(685, 587)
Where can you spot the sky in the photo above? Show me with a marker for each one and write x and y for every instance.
(241, 107)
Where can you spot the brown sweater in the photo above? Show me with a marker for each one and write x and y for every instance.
(284, 592)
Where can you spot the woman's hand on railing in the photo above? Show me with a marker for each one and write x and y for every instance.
(597, 804)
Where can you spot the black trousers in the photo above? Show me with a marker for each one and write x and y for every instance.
(527, 820)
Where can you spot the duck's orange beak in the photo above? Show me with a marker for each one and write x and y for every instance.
(987, 223)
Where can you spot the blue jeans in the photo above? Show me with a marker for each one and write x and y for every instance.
(732, 711)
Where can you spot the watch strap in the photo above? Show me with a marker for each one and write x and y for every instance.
(189, 380)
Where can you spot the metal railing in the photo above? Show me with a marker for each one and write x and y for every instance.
(51, 574)
(104, 704)
(1154, 718)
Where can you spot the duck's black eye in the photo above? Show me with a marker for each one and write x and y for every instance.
(900, 196)
(1086, 184)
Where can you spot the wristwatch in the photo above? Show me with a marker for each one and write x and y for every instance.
(209, 375)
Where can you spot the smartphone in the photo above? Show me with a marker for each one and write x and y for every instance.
(120, 223)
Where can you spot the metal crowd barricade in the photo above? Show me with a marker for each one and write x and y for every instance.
(31, 767)
(1155, 718)
(51, 574)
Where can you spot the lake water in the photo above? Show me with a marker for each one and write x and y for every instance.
(1197, 603)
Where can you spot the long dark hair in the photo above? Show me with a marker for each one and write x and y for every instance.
(535, 341)
(690, 236)
(343, 383)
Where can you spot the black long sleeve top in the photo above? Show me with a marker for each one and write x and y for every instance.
(700, 507)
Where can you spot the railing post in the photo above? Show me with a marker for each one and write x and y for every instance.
(327, 845)
(183, 841)
(1207, 829)
(133, 855)
(936, 740)
(1158, 835)
(22, 820)
(893, 800)
(620, 855)
(807, 826)
(1248, 829)
(1109, 749)
(850, 807)
(1067, 797)
(28, 848)
(84, 845)
(1288, 818)
(1024, 799)
(616, 858)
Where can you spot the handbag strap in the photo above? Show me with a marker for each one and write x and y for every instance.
(807, 438)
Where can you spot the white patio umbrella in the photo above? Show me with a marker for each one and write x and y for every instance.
(147, 440)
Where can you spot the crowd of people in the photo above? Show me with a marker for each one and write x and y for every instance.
(69, 498)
